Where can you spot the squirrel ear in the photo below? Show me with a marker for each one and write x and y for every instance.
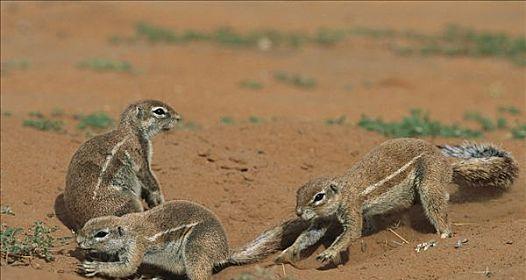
(139, 112)
(334, 187)
(120, 230)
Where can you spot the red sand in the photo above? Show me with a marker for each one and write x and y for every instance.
(202, 82)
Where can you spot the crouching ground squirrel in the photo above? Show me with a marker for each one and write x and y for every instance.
(179, 236)
(395, 175)
(110, 173)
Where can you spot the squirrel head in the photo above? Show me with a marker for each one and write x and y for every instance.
(104, 235)
(318, 198)
(150, 117)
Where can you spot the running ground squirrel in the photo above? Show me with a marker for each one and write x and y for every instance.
(179, 236)
(395, 175)
(110, 173)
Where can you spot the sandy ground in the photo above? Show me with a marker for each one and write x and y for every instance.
(205, 165)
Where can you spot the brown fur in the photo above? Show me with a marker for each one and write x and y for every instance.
(394, 175)
(110, 173)
(178, 236)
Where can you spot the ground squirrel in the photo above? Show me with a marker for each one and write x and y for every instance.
(110, 173)
(395, 175)
(179, 236)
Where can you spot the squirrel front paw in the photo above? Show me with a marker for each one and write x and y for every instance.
(89, 269)
(154, 198)
(329, 255)
(290, 255)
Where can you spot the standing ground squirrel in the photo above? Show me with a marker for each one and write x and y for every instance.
(110, 173)
(179, 236)
(395, 175)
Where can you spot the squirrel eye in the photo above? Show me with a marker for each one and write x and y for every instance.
(101, 234)
(319, 197)
(159, 111)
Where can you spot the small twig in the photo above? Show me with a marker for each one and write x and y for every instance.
(397, 243)
(486, 272)
(363, 246)
(283, 268)
(398, 235)
(464, 224)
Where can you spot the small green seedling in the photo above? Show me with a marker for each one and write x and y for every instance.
(35, 243)
(105, 65)
(512, 110)
(251, 84)
(14, 64)
(416, 124)
(44, 124)
(227, 120)
(36, 114)
(255, 119)
(187, 125)
(519, 131)
(295, 80)
(485, 122)
(98, 120)
(502, 123)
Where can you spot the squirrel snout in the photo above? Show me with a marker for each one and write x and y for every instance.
(80, 242)
(299, 211)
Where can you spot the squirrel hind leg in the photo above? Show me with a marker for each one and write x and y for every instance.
(434, 199)
(432, 178)
(205, 247)
(198, 266)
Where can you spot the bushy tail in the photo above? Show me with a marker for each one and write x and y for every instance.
(482, 165)
(270, 241)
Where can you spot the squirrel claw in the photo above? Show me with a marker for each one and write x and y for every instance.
(327, 255)
(89, 269)
(154, 199)
(288, 256)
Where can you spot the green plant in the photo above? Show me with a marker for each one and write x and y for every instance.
(36, 114)
(295, 79)
(14, 64)
(6, 210)
(336, 121)
(227, 120)
(460, 41)
(519, 131)
(255, 119)
(7, 113)
(373, 32)
(512, 110)
(35, 243)
(154, 33)
(251, 84)
(227, 36)
(502, 123)
(44, 124)
(98, 120)
(417, 123)
(103, 64)
(329, 37)
(453, 41)
(187, 125)
(485, 122)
